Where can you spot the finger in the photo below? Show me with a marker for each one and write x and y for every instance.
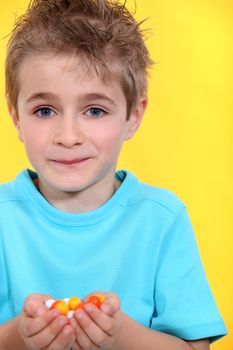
(101, 319)
(111, 305)
(64, 340)
(76, 346)
(30, 326)
(83, 342)
(46, 336)
(34, 304)
(92, 330)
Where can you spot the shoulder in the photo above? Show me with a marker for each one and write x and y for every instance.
(9, 193)
(154, 197)
(162, 197)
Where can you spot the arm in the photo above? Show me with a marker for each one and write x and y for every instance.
(10, 337)
(111, 329)
(136, 337)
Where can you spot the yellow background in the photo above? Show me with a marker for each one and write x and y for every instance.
(185, 142)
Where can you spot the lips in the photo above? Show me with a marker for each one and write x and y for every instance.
(69, 161)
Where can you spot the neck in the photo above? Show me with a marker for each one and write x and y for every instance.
(78, 202)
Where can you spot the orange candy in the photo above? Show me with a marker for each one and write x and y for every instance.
(101, 297)
(80, 306)
(97, 300)
(69, 305)
(61, 306)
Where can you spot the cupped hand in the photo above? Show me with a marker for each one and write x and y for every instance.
(44, 329)
(97, 328)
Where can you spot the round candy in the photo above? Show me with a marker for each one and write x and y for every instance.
(66, 300)
(61, 306)
(70, 314)
(80, 305)
(101, 297)
(73, 303)
(49, 303)
(67, 306)
(94, 299)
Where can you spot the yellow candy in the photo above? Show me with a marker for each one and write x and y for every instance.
(61, 306)
(73, 303)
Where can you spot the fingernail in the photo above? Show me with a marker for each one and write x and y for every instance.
(79, 314)
(62, 322)
(40, 311)
(89, 308)
(55, 313)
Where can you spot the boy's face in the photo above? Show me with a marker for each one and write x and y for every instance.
(72, 124)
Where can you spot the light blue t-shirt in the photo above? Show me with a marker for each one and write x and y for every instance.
(139, 244)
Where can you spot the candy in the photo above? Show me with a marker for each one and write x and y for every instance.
(80, 306)
(61, 306)
(94, 299)
(101, 297)
(49, 303)
(74, 302)
(67, 306)
(70, 314)
(66, 300)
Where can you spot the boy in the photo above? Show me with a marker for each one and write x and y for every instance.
(76, 90)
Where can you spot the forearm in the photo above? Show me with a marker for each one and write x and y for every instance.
(134, 336)
(10, 338)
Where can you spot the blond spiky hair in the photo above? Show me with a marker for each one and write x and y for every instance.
(104, 33)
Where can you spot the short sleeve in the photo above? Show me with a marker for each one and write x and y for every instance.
(4, 297)
(184, 304)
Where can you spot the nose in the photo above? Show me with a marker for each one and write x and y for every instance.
(68, 132)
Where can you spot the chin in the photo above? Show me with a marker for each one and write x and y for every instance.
(69, 188)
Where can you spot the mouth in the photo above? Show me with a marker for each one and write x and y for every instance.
(69, 161)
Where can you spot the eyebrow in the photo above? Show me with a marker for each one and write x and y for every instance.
(84, 97)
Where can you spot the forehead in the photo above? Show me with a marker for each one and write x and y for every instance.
(66, 74)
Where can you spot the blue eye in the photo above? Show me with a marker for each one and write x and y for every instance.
(96, 112)
(44, 112)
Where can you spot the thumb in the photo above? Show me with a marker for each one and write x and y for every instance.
(35, 304)
(111, 305)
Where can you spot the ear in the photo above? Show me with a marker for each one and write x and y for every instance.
(136, 116)
(15, 118)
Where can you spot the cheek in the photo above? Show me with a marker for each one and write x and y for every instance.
(110, 142)
(34, 141)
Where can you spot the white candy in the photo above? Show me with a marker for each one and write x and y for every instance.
(66, 300)
(70, 314)
(49, 303)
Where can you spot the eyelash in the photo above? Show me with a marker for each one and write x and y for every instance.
(41, 109)
(103, 112)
